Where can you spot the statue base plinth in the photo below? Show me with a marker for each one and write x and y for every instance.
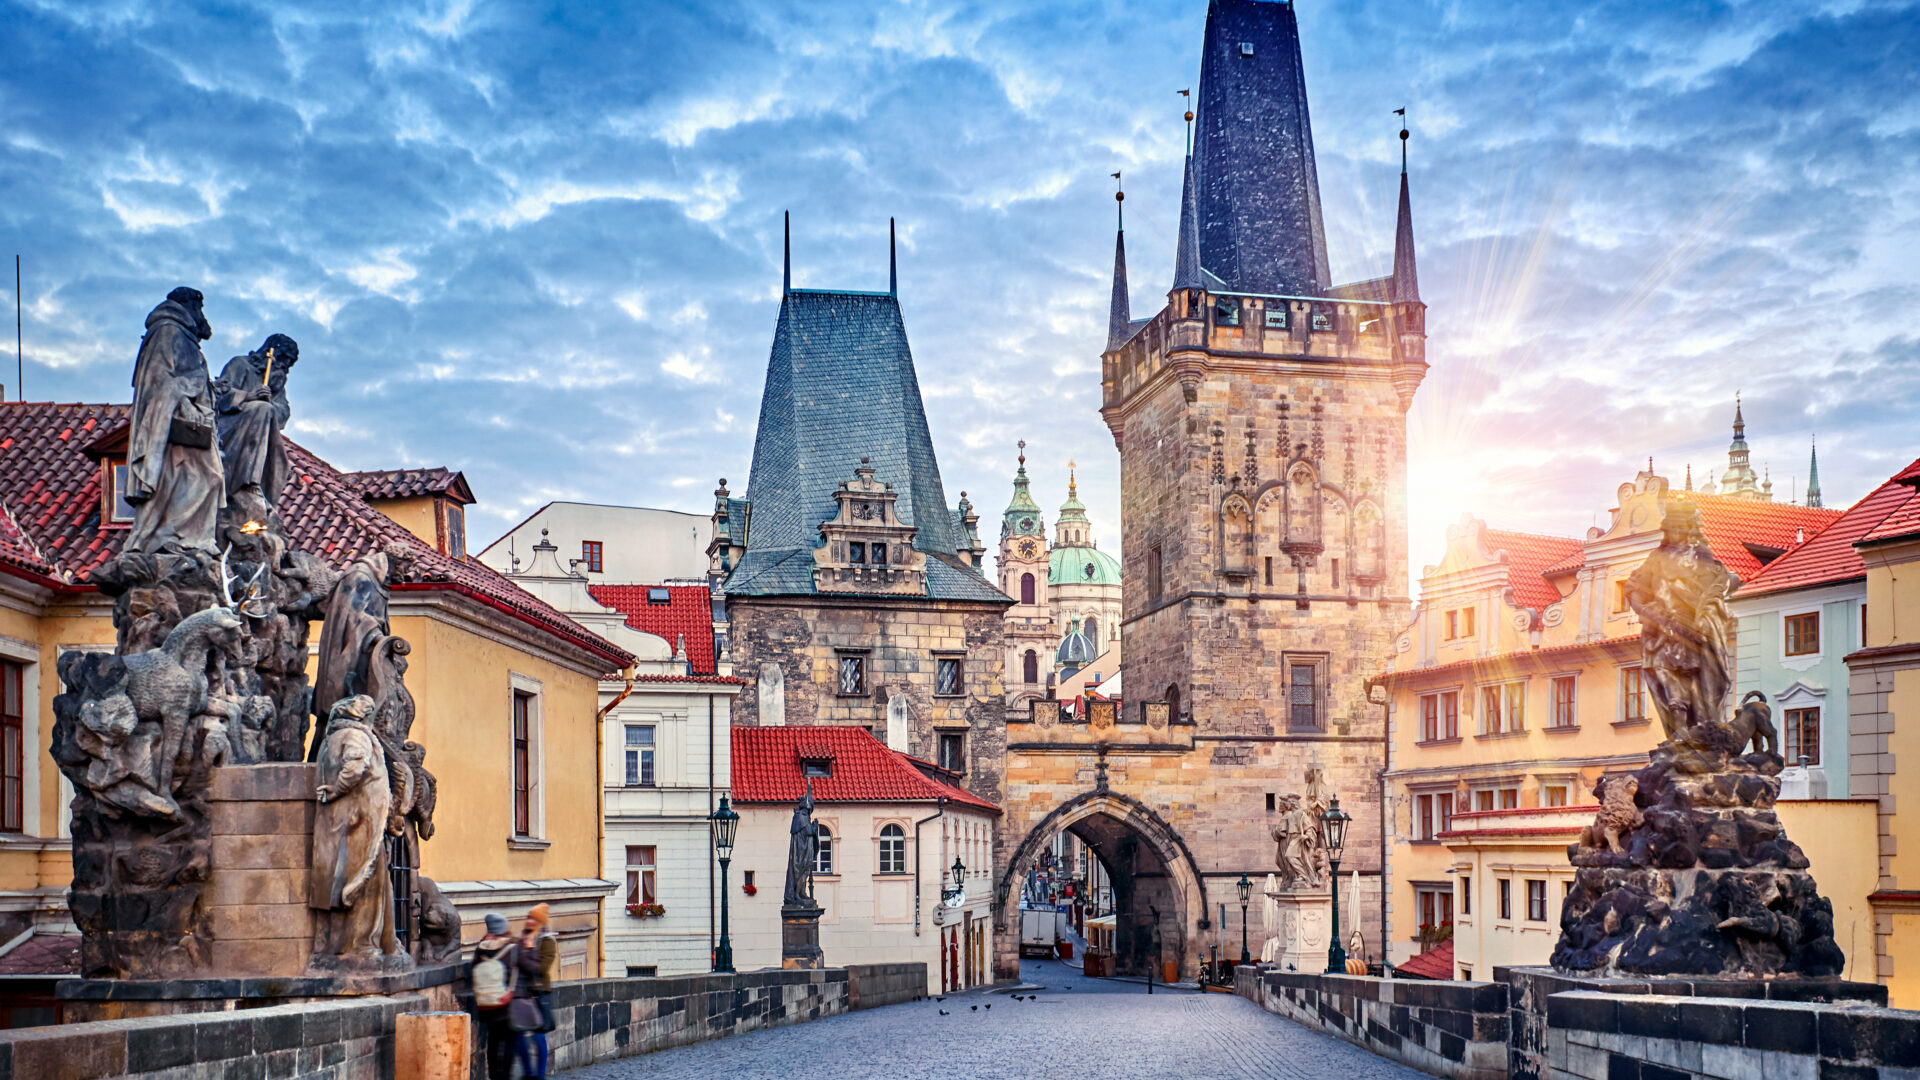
(1300, 928)
(800, 937)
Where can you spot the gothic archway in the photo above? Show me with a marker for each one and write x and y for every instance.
(1159, 896)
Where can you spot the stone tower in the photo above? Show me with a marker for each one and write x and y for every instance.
(1023, 576)
(1261, 421)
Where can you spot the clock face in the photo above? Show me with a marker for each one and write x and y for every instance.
(1029, 549)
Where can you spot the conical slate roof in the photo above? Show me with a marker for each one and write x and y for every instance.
(1257, 189)
(841, 387)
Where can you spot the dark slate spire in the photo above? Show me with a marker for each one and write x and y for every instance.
(1813, 477)
(1186, 261)
(1406, 280)
(1120, 312)
(1258, 196)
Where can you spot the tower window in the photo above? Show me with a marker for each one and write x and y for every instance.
(1030, 667)
(1153, 572)
(1323, 322)
(1226, 311)
(1276, 318)
(1026, 588)
(856, 551)
(879, 553)
(1269, 569)
(947, 678)
(853, 675)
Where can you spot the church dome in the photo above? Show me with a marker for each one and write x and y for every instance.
(1075, 650)
(1082, 566)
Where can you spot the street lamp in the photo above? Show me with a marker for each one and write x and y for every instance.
(724, 821)
(1333, 829)
(959, 872)
(1245, 888)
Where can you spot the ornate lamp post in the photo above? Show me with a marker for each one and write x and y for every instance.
(1245, 889)
(959, 886)
(1333, 829)
(725, 821)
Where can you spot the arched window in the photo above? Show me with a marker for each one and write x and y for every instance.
(1026, 588)
(823, 855)
(1173, 701)
(1092, 629)
(893, 850)
(1030, 667)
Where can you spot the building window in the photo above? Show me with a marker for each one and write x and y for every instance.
(643, 971)
(1276, 318)
(1091, 628)
(949, 675)
(1153, 572)
(639, 756)
(1336, 573)
(1506, 898)
(1303, 706)
(1803, 736)
(853, 675)
(1226, 311)
(1633, 696)
(1803, 634)
(1269, 569)
(591, 552)
(1434, 813)
(1503, 709)
(1270, 802)
(1459, 623)
(1536, 901)
(1553, 795)
(1563, 702)
(1509, 798)
(1323, 322)
(1466, 894)
(456, 531)
(878, 551)
(1440, 716)
(1030, 667)
(817, 768)
(1619, 597)
(523, 738)
(1026, 588)
(823, 855)
(13, 742)
(856, 551)
(893, 850)
(953, 751)
(118, 510)
(640, 875)
(1435, 906)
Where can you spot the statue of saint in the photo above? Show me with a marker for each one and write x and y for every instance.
(347, 886)
(353, 627)
(1680, 594)
(1300, 846)
(251, 399)
(803, 851)
(174, 478)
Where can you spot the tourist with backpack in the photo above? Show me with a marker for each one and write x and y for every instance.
(538, 960)
(496, 982)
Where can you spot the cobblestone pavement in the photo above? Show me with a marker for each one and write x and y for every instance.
(1080, 1027)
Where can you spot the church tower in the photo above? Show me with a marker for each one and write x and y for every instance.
(1740, 481)
(1260, 417)
(1023, 576)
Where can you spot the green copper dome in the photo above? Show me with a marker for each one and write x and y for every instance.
(1023, 517)
(1082, 566)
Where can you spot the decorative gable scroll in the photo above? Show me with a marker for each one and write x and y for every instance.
(865, 548)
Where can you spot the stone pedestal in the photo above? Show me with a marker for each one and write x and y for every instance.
(262, 819)
(432, 1046)
(800, 937)
(1299, 929)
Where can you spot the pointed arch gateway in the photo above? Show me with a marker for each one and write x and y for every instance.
(1159, 896)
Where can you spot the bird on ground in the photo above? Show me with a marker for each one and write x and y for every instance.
(989, 1005)
(975, 1008)
(944, 1012)
(939, 999)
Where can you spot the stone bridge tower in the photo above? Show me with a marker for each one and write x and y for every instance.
(1261, 421)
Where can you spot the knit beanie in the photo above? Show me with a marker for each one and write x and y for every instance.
(540, 914)
(496, 924)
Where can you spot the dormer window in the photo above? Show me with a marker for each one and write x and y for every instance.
(817, 768)
(456, 531)
(659, 596)
(114, 507)
(856, 552)
(879, 554)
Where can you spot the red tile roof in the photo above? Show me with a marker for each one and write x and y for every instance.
(1903, 522)
(1528, 557)
(720, 680)
(18, 550)
(1730, 524)
(408, 483)
(53, 490)
(687, 613)
(1828, 556)
(43, 954)
(766, 768)
(1435, 963)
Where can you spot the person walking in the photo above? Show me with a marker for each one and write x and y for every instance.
(538, 960)
(496, 980)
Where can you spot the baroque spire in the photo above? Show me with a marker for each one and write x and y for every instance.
(1813, 475)
(1022, 517)
(1186, 263)
(1406, 279)
(1119, 314)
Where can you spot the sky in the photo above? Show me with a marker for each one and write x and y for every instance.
(542, 244)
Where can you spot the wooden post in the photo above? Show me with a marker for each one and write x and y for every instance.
(432, 1046)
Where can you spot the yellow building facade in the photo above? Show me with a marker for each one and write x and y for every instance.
(495, 674)
(1515, 688)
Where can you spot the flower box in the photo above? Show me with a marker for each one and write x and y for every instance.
(646, 911)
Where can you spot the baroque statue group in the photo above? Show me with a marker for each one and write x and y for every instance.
(213, 609)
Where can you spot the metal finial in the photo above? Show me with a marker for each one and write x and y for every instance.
(1401, 112)
(786, 252)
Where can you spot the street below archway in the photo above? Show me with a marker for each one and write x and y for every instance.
(1075, 1026)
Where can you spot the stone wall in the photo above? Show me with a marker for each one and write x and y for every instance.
(1594, 1035)
(870, 986)
(1450, 1029)
(256, 896)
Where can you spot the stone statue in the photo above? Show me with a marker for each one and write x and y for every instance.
(174, 478)
(439, 923)
(803, 852)
(347, 885)
(1300, 845)
(251, 400)
(1686, 870)
(356, 622)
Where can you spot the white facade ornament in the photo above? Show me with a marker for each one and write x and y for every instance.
(773, 695)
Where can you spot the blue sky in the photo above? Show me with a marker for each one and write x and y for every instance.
(542, 245)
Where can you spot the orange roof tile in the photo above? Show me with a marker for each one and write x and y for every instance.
(1435, 963)
(688, 613)
(1528, 557)
(1732, 524)
(1828, 556)
(766, 768)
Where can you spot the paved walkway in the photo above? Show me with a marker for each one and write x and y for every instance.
(1077, 1027)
